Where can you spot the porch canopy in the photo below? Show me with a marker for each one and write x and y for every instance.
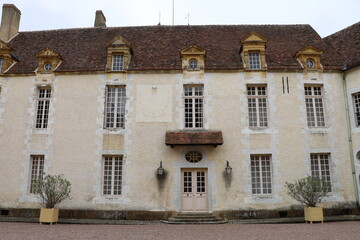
(186, 138)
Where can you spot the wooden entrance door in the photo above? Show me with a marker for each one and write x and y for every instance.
(194, 190)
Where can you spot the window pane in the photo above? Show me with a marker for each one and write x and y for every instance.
(261, 182)
(115, 107)
(193, 107)
(257, 106)
(314, 106)
(37, 170)
(254, 60)
(43, 107)
(112, 175)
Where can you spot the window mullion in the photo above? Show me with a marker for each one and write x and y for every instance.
(112, 175)
(115, 106)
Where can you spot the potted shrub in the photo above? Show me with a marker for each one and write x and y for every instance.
(309, 191)
(52, 190)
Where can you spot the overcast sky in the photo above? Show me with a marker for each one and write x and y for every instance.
(325, 16)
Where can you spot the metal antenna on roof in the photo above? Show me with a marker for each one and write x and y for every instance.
(173, 12)
(188, 18)
(159, 18)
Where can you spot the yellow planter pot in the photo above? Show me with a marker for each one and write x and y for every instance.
(49, 215)
(313, 214)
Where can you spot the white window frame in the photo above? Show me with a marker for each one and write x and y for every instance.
(356, 102)
(314, 104)
(193, 106)
(36, 170)
(261, 174)
(320, 166)
(254, 60)
(43, 108)
(112, 178)
(257, 106)
(117, 62)
(114, 112)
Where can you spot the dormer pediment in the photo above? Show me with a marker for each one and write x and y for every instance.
(193, 50)
(49, 60)
(47, 53)
(309, 58)
(253, 37)
(4, 47)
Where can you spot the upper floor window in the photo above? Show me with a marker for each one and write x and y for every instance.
(194, 106)
(261, 172)
(115, 107)
(43, 106)
(314, 106)
(320, 166)
(118, 63)
(37, 171)
(356, 99)
(257, 106)
(254, 61)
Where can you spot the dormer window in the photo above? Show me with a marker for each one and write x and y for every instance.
(118, 63)
(254, 61)
(310, 63)
(253, 52)
(118, 55)
(49, 60)
(309, 58)
(193, 64)
(7, 60)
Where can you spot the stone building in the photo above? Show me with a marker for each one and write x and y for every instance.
(149, 121)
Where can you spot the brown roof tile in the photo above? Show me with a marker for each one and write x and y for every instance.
(194, 138)
(347, 43)
(158, 47)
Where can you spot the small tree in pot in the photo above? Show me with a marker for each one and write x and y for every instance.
(310, 191)
(52, 190)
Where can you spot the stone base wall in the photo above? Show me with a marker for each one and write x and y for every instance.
(149, 215)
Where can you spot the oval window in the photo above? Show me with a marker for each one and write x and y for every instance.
(193, 64)
(310, 63)
(193, 156)
(47, 66)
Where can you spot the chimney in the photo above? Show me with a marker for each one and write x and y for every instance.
(10, 22)
(100, 19)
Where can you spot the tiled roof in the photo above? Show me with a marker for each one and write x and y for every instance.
(347, 43)
(193, 138)
(158, 47)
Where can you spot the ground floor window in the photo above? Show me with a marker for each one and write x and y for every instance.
(320, 166)
(261, 182)
(37, 170)
(112, 175)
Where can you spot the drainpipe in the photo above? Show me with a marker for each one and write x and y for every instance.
(351, 148)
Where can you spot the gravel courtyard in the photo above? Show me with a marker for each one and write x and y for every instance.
(333, 230)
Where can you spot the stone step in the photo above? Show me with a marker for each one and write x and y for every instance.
(195, 218)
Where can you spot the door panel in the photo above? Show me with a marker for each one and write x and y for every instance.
(194, 190)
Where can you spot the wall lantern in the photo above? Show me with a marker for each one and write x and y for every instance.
(228, 169)
(160, 170)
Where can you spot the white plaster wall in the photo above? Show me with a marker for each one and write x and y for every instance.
(72, 144)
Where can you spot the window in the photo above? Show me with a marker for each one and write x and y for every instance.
(47, 66)
(193, 156)
(314, 106)
(118, 63)
(37, 170)
(115, 107)
(193, 64)
(43, 105)
(320, 166)
(261, 174)
(257, 106)
(356, 99)
(193, 102)
(1, 64)
(254, 61)
(112, 175)
(310, 63)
